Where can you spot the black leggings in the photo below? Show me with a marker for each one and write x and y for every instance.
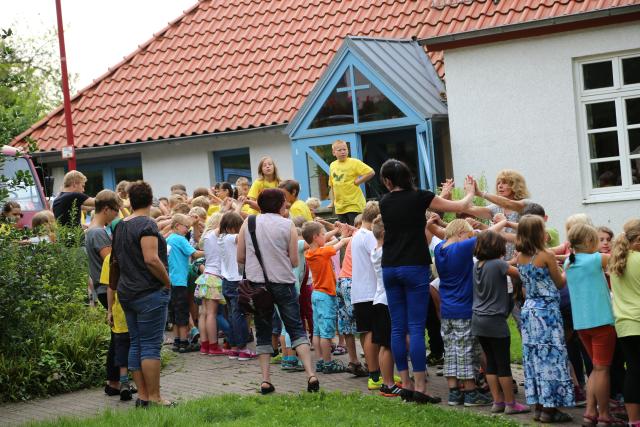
(631, 347)
(498, 355)
(436, 345)
(113, 372)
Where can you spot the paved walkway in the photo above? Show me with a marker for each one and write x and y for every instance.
(190, 376)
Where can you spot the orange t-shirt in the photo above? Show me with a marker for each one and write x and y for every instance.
(321, 266)
(346, 263)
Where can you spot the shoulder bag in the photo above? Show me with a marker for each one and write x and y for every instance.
(255, 297)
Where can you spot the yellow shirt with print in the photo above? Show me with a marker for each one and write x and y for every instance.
(119, 321)
(347, 196)
(300, 208)
(256, 188)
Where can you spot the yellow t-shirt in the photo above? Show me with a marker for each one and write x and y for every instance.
(347, 196)
(256, 188)
(300, 208)
(213, 209)
(626, 297)
(119, 321)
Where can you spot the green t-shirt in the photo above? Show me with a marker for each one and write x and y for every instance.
(554, 237)
(626, 297)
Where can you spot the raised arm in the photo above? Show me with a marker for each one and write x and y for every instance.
(443, 205)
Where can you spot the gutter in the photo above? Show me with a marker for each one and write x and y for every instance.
(134, 145)
(580, 20)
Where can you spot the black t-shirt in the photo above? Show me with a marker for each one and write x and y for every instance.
(136, 280)
(403, 214)
(65, 203)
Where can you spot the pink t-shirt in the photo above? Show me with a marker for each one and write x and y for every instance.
(346, 263)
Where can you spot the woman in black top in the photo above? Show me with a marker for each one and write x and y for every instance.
(143, 290)
(405, 268)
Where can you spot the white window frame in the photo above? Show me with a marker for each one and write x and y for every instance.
(616, 93)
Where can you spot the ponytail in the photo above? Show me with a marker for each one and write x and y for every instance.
(622, 247)
(572, 257)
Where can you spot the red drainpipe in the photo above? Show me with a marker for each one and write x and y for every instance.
(65, 88)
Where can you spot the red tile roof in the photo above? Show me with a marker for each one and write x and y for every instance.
(240, 64)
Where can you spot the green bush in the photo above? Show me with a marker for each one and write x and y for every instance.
(50, 340)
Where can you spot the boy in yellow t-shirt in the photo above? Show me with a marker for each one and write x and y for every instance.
(119, 336)
(345, 176)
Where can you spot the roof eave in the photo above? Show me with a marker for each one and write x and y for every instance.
(548, 25)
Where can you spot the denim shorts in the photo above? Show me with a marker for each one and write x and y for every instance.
(146, 318)
(325, 314)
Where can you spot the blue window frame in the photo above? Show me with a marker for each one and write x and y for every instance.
(230, 165)
(106, 174)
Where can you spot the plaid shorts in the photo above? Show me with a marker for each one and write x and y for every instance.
(346, 321)
(461, 349)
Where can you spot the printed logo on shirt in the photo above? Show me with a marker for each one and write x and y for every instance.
(337, 177)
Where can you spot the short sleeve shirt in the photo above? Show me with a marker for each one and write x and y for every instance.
(257, 187)
(321, 266)
(455, 269)
(180, 252)
(626, 297)
(491, 300)
(348, 196)
(363, 282)
(403, 214)
(95, 240)
(65, 203)
(300, 208)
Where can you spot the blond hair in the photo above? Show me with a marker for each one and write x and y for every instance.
(175, 199)
(212, 223)
(516, 182)
(575, 219)
(198, 211)
(582, 237)
(44, 222)
(181, 208)
(371, 211)
(378, 228)
(338, 142)
(241, 181)
(122, 187)
(155, 212)
(313, 203)
(201, 202)
(622, 246)
(72, 178)
(456, 227)
(180, 219)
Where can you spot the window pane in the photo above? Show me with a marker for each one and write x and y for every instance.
(634, 141)
(95, 182)
(603, 144)
(372, 104)
(128, 174)
(318, 180)
(597, 75)
(337, 109)
(601, 115)
(606, 174)
(633, 111)
(325, 152)
(635, 171)
(234, 167)
(631, 70)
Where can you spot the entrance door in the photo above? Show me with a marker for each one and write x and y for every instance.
(311, 160)
(380, 146)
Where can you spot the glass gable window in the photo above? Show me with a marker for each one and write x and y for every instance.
(610, 103)
(371, 104)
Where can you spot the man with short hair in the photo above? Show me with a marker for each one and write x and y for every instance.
(71, 199)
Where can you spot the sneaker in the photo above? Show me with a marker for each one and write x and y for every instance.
(319, 365)
(357, 369)
(419, 397)
(456, 397)
(374, 385)
(194, 335)
(339, 351)
(516, 408)
(233, 354)
(204, 347)
(497, 407)
(334, 367)
(276, 360)
(580, 396)
(393, 391)
(475, 398)
(245, 355)
(111, 391)
(292, 366)
(125, 392)
(215, 350)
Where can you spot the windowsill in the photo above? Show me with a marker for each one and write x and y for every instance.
(620, 196)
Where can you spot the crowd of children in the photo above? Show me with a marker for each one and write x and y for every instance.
(489, 263)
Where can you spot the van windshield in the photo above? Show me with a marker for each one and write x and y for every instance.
(28, 196)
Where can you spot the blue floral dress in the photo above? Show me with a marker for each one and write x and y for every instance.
(546, 366)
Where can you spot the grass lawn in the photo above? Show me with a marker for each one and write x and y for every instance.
(516, 342)
(322, 409)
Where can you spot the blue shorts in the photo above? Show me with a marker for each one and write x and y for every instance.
(325, 314)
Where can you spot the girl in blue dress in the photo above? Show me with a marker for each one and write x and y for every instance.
(548, 383)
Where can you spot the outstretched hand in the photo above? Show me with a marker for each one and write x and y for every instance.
(470, 185)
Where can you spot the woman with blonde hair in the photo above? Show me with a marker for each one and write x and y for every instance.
(624, 268)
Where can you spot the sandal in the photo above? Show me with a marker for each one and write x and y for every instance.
(611, 421)
(555, 417)
(313, 386)
(267, 390)
(589, 420)
(162, 404)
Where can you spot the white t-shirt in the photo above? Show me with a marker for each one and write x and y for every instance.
(212, 254)
(229, 263)
(381, 295)
(363, 280)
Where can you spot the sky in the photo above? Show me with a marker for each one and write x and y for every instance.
(98, 33)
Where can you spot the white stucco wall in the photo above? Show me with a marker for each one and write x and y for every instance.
(512, 105)
(190, 161)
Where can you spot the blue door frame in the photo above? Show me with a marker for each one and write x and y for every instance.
(108, 169)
